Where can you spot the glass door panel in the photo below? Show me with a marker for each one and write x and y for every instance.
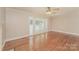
(37, 26)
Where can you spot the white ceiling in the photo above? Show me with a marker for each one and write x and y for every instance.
(42, 10)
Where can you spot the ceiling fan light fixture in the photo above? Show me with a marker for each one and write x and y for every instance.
(52, 11)
(48, 11)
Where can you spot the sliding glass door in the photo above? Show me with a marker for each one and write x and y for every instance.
(37, 25)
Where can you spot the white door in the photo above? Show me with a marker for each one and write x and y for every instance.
(37, 26)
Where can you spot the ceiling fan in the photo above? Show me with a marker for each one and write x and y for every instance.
(52, 11)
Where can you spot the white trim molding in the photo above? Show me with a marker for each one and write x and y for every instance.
(15, 38)
(39, 33)
(66, 32)
(19, 37)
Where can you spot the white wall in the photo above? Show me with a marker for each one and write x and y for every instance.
(16, 23)
(68, 22)
(0, 31)
(2, 27)
(0, 36)
(50, 24)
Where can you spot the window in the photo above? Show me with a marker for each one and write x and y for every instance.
(37, 25)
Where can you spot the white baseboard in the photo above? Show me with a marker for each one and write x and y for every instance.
(2, 46)
(66, 32)
(21, 37)
(10, 40)
(15, 38)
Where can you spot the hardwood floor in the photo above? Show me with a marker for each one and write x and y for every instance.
(50, 41)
